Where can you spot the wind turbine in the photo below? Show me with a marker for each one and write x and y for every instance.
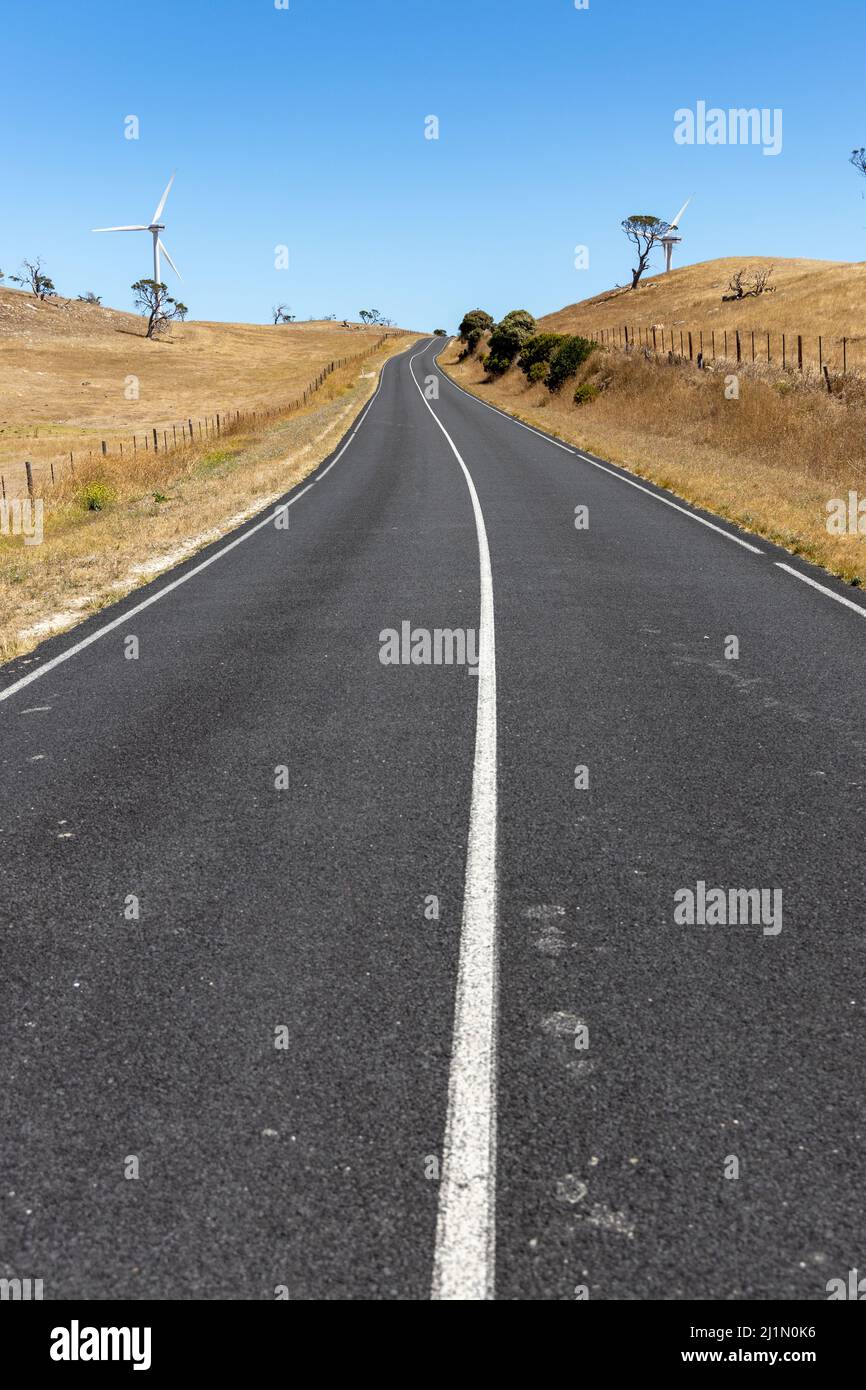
(668, 241)
(154, 227)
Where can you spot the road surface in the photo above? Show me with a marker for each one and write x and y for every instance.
(372, 972)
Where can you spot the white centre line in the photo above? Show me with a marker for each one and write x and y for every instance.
(464, 1259)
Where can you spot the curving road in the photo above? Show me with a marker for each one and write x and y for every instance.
(375, 973)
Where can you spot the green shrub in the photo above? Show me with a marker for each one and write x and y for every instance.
(508, 338)
(505, 341)
(537, 372)
(538, 349)
(473, 338)
(476, 319)
(571, 354)
(522, 320)
(584, 393)
(497, 366)
(95, 497)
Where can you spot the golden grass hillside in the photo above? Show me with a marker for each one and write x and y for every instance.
(116, 521)
(812, 298)
(73, 374)
(769, 460)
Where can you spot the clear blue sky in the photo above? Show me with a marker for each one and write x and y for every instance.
(305, 127)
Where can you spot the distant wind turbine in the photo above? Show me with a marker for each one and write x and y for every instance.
(668, 240)
(154, 227)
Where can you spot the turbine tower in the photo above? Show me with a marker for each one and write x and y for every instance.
(668, 241)
(154, 227)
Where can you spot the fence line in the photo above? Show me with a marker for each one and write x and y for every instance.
(738, 345)
(158, 439)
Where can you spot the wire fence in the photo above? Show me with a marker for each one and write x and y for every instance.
(15, 477)
(843, 356)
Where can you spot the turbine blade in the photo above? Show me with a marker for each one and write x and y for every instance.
(120, 229)
(676, 221)
(162, 248)
(156, 215)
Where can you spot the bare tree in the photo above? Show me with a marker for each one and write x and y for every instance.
(33, 277)
(645, 232)
(750, 282)
(154, 302)
(90, 298)
(858, 159)
(370, 316)
(280, 313)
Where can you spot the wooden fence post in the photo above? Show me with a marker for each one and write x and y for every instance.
(29, 471)
(800, 351)
(155, 442)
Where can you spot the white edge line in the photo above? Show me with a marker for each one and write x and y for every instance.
(190, 574)
(840, 598)
(693, 516)
(464, 1259)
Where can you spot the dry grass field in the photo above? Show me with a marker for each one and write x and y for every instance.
(811, 298)
(116, 521)
(66, 371)
(770, 460)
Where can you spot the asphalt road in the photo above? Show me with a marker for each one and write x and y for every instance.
(539, 1091)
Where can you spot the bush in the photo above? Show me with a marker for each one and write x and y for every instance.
(473, 338)
(538, 351)
(95, 497)
(571, 354)
(522, 320)
(537, 372)
(440, 333)
(497, 366)
(476, 319)
(584, 393)
(505, 343)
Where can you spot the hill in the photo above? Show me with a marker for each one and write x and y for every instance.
(770, 455)
(65, 370)
(810, 298)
